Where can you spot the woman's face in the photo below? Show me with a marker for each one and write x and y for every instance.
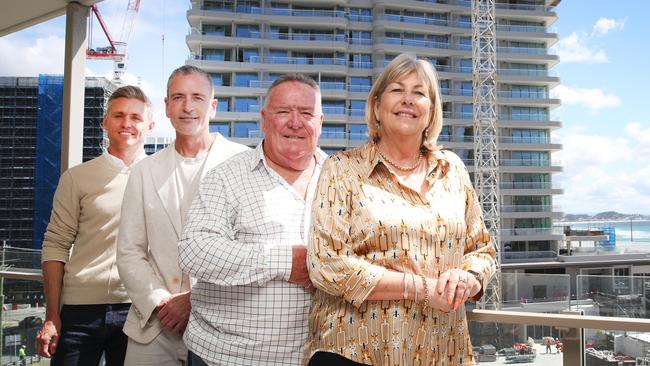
(403, 109)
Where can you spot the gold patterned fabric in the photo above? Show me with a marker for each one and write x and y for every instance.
(364, 223)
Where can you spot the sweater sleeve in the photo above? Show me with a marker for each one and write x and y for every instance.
(64, 221)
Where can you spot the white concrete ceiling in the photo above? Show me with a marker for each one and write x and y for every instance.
(18, 14)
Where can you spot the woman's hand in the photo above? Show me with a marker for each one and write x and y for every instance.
(455, 286)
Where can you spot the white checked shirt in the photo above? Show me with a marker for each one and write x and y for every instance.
(238, 245)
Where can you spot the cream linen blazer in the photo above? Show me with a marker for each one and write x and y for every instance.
(150, 229)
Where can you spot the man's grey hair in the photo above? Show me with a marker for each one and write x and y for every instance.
(187, 70)
(300, 78)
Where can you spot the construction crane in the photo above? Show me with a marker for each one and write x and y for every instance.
(486, 129)
(117, 49)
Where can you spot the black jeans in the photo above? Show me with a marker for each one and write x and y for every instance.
(194, 360)
(331, 359)
(88, 331)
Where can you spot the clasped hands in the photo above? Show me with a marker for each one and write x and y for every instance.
(453, 288)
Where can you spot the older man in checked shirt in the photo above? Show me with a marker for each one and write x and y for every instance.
(245, 239)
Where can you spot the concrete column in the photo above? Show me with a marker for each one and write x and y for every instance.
(574, 344)
(73, 85)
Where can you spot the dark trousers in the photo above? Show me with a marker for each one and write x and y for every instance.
(194, 360)
(331, 359)
(88, 331)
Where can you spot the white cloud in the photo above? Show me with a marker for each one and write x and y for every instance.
(575, 48)
(604, 25)
(22, 57)
(602, 173)
(637, 132)
(594, 99)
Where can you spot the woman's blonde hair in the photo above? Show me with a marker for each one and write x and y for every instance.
(401, 66)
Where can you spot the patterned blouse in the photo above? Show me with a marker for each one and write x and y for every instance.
(364, 223)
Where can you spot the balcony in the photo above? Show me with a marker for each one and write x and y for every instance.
(583, 312)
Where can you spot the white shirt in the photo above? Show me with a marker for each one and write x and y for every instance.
(238, 244)
(187, 174)
(118, 163)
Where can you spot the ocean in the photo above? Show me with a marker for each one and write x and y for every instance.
(626, 232)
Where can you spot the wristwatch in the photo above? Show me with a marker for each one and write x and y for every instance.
(478, 276)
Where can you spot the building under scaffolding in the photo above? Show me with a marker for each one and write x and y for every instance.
(30, 150)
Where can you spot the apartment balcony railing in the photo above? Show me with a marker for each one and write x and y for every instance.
(324, 85)
(521, 28)
(528, 162)
(503, 140)
(530, 208)
(531, 255)
(524, 50)
(532, 231)
(518, 94)
(529, 185)
(299, 60)
(611, 304)
(414, 42)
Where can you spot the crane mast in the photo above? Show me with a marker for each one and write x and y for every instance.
(486, 131)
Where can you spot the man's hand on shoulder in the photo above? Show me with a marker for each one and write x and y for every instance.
(299, 273)
(174, 312)
(48, 337)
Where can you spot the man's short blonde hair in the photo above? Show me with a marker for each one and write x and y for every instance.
(131, 92)
(401, 66)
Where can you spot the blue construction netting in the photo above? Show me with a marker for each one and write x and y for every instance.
(48, 151)
(611, 242)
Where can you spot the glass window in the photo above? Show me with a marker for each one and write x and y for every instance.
(357, 107)
(246, 104)
(333, 107)
(248, 55)
(360, 84)
(358, 132)
(219, 79)
(279, 56)
(360, 60)
(360, 14)
(438, 41)
(246, 79)
(465, 65)
(223, 104)
(466, 88)
(246, 129)
(360, 37)
(413, 39)
(248, 31)
(214, 54)
(248, 6)
(220, 5)
(279, 9)
(333, 132)
(216, 30)
(464, 21)
(221, 127)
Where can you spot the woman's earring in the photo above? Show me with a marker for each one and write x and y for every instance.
(426, 132)
(377, 124)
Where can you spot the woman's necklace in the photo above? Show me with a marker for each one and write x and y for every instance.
(401, 167)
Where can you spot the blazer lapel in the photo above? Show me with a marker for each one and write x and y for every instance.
(216, 155)
(165, 182)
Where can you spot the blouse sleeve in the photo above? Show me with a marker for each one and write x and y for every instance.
(333, 266)
(479, 251)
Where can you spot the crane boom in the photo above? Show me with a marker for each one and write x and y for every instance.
(117, 49)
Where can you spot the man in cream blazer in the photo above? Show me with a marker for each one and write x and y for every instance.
(157, 198)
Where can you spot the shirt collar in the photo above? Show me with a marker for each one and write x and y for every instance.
(118, 163)
(258, 157)
(438, 164)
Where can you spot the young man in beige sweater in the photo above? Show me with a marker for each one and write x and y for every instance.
(79, 269)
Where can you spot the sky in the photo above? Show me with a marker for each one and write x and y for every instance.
(603, 69)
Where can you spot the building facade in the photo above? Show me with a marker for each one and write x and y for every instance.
(30, 150)
(343, 44)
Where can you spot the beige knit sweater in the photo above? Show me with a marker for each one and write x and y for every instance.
(82, 232)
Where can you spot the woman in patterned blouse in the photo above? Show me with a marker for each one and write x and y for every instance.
(397, 241)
